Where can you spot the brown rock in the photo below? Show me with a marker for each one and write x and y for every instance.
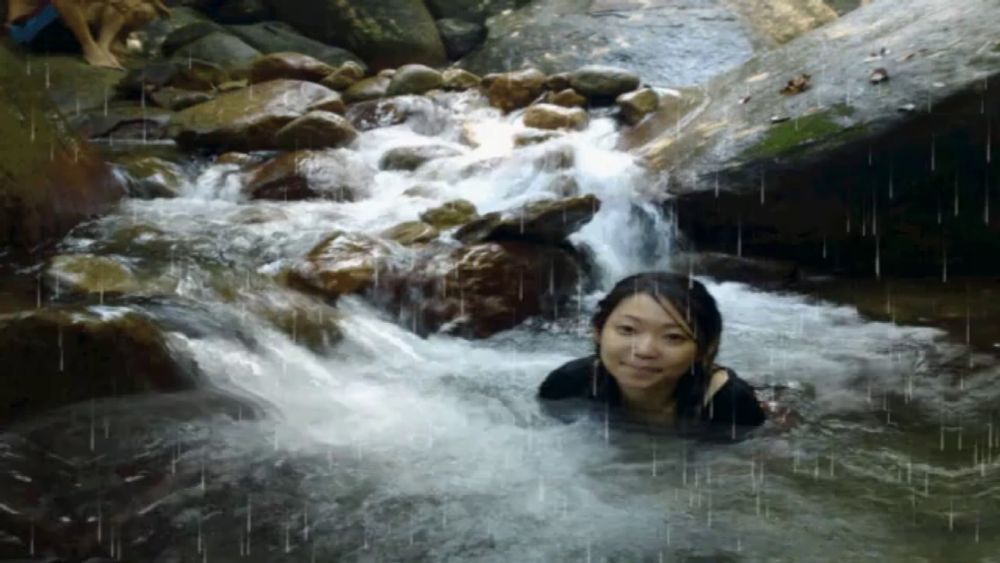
(534, 137)
(342, 263)
(567, 98)
(517, 89)
(638, 104)
(367, 89)
(411, 233)
(558, 82)
(451, 214)
(413, 157)
(545, 221)
(248, 119)
(413, 79)
(333, 103)
(459, 79)
(309, 174)
(290, 66)
(316, 130)
(548, 116)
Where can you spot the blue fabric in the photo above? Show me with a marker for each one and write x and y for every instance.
(23, 33)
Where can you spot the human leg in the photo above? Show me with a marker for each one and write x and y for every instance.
(73, 14)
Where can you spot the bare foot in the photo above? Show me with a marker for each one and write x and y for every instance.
(101, 58)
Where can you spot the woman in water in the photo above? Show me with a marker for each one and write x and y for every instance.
(657, 335)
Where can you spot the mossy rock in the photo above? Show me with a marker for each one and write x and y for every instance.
(451, 214)
(411, 233)
(89, 275)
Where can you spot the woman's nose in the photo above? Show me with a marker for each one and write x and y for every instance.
(644, 345)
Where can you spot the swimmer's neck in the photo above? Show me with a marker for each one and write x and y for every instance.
(652, 403)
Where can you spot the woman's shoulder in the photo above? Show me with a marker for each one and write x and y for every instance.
(569, 380)
(734, 400)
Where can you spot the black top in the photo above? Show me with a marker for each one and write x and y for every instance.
(732, 411)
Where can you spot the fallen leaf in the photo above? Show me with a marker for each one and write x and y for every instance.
(879, 75)
(744, 100)
(797, 85)
(779, 118)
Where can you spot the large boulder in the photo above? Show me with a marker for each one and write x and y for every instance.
(341, 264)
(72, 84)
(49, 179)
(658, 39)
(248, 119)
(479, 290)
(279, 37)
(292, 66)
(460, 37)
(544, 221)
(316, 130)
(471, 10)
(58, 357)
(515, 90)
(385, 33)
(413, 79)
(219, 47)
(151, 177)
(851, 173)
(306, 174)
(86, 274)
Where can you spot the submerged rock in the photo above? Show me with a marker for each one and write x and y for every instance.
(150, 177)
(413, 157)
(450, 214)
(86, 274)
(58, 357)
(305, 174)
(411, 233)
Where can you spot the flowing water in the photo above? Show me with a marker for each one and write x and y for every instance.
(392, 447)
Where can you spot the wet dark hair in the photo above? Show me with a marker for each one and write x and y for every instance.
(696, 305)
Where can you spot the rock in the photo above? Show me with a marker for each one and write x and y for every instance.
(413, 157)
(567, 98)
(548, 116)
(534, 137)
(150, 177)
(459, 79)
(385, 33)
(334, 104)
(477, 291)
(451, 214)
(305, 320)
(58, 357)
(460, 37)
(291, 66)
(188, 34)
(248, 119)
(411, 233)
(562, 35)
(73, 85)
(413, 79)
(376, 113)
(800, 174)
(221, 48)
(278, 37)
(558, 82)
(338, 175)
(197, 75)
(344, 77)
(471, 10)
(638, 104)
(776, 22)
(242, 11)
(86, 274)
(602, 83)
(237, 159)
(386, 73)
(316, 130)
(545, 221)
(175, 99)
(367, 89)
(341, 264)
(50, 180)
(124, 120)
(517, 89)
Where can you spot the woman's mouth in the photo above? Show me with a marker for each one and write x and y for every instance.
(642, 369)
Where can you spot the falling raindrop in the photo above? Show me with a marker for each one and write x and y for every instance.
(716, 185)
(891, 173)
(956, 194)
(739, 237)
(762, 187)
(986, 203)
(878, 264)
(933, 152)
(944, 264)
(824, 247)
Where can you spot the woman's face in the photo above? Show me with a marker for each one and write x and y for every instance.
(643, 346)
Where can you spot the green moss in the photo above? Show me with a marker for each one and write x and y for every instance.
(788, 136)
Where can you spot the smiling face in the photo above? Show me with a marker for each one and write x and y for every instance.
(645, 343)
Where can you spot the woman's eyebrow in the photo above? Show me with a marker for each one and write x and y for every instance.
(645, 321)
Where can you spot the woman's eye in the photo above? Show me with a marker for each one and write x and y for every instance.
(625, 329)
(674, 338)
